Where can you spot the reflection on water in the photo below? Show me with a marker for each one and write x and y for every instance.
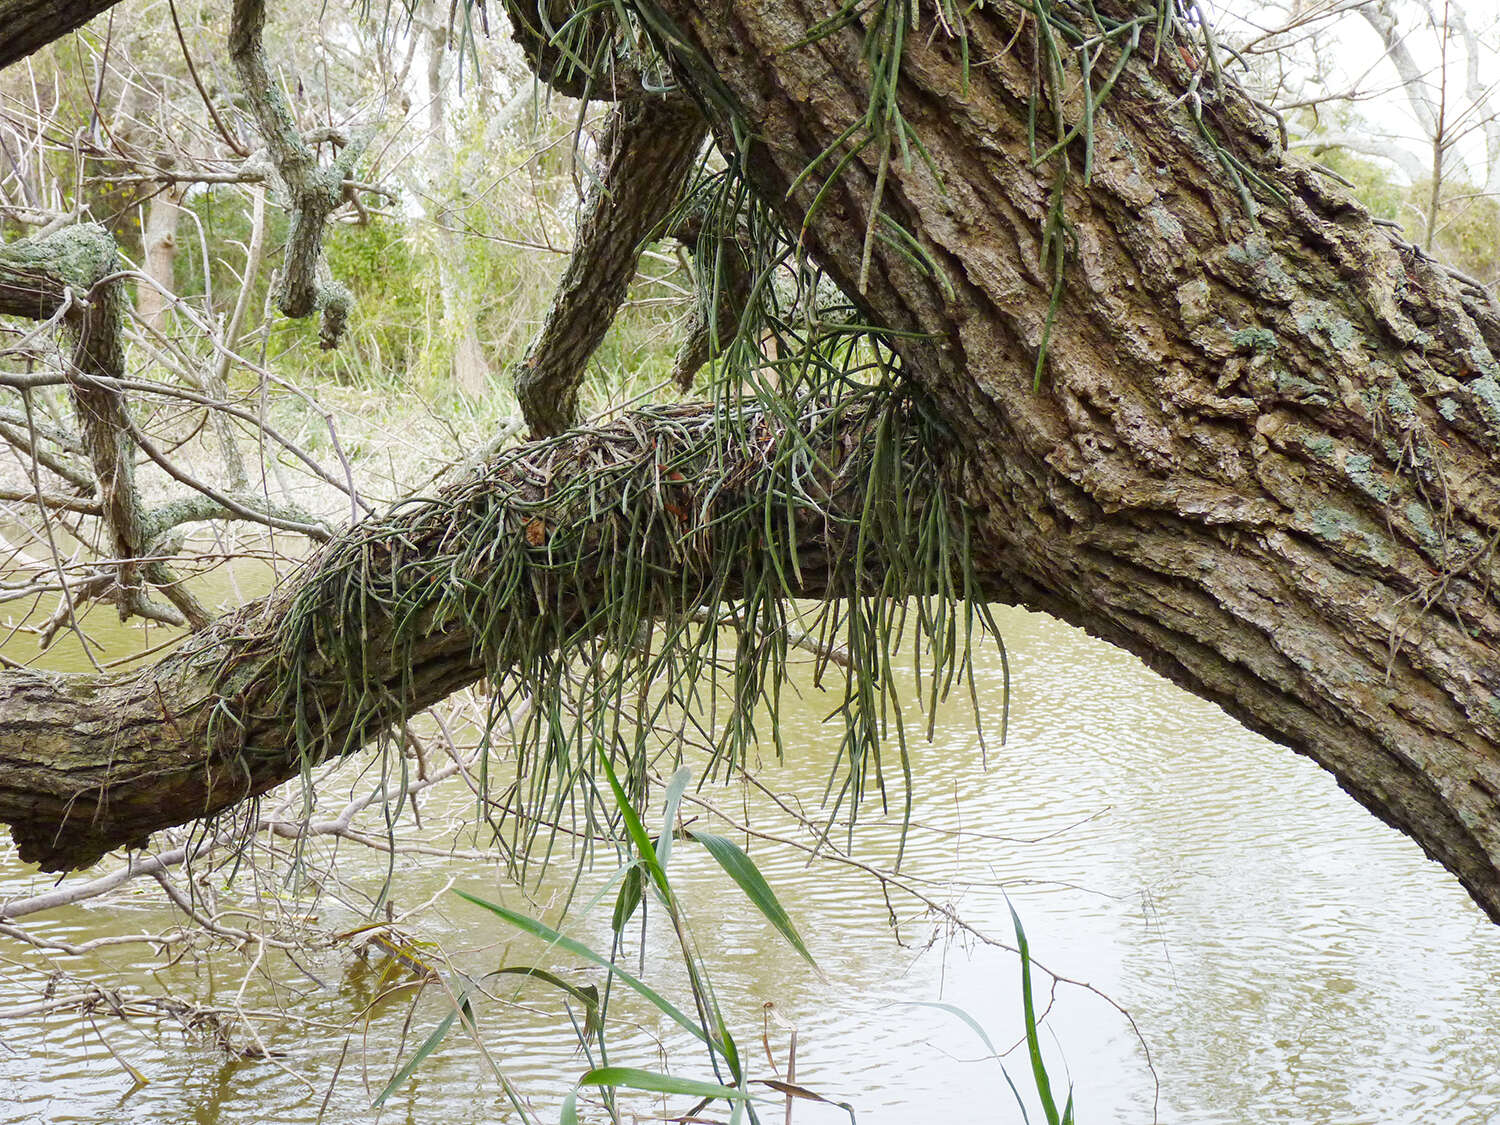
(1283, 955)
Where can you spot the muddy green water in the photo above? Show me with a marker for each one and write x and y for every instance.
(1283, 955)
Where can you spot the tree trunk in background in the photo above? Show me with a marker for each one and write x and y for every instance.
(160, 238)
(470, 365)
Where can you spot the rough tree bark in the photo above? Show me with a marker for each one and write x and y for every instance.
(163, 213)
(29, 25)
(313, 190)
(1261, 453)
(70, 275)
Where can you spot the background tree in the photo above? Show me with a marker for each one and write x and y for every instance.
(1412, 119)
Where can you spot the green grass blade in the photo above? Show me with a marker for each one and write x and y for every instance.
(578, 949)
(955, 1010)
(675, 788)
(739, 867)
(430, 1045)
(1033, 1043)
(629, 898)
(634, 828)
(1020, 1101)
(649, 1080)
(974, 1025)
(587, 995)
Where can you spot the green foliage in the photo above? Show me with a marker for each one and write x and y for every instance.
(1040, 1076)
(649, 865)
(1039, 1073)
(387, 324)
(1467, 231)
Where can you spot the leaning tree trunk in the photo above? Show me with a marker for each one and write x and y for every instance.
(1262, 450)
(1259, 451)
(29, 25)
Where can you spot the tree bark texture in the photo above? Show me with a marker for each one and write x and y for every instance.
(69, 273)
(153, 294)
(314, 191)
(29, 25)
(1263, 453)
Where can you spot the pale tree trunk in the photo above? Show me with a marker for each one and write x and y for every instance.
(1261, 453)
(470, 366)
(160, 237)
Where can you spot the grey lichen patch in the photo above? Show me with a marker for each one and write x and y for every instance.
(1320, 319)
(1421, 521)
(1262, 341)
(1252, 252)
(1350, 534)
(1483, 361)
(1447, 408)
(1165, 223)
(1360, 469)
(1400, 403)
(1487, 393)
(1193, 301)
(1320, 446)
(1256, 264)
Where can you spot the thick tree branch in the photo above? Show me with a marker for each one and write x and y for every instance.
(72, 271)
(724, 284)
(1261, 452)
(651, 145)
(73, 275)
(29, 25)
(89, 763)
(314, 191)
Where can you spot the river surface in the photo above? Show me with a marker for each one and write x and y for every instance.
(1282, 955)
